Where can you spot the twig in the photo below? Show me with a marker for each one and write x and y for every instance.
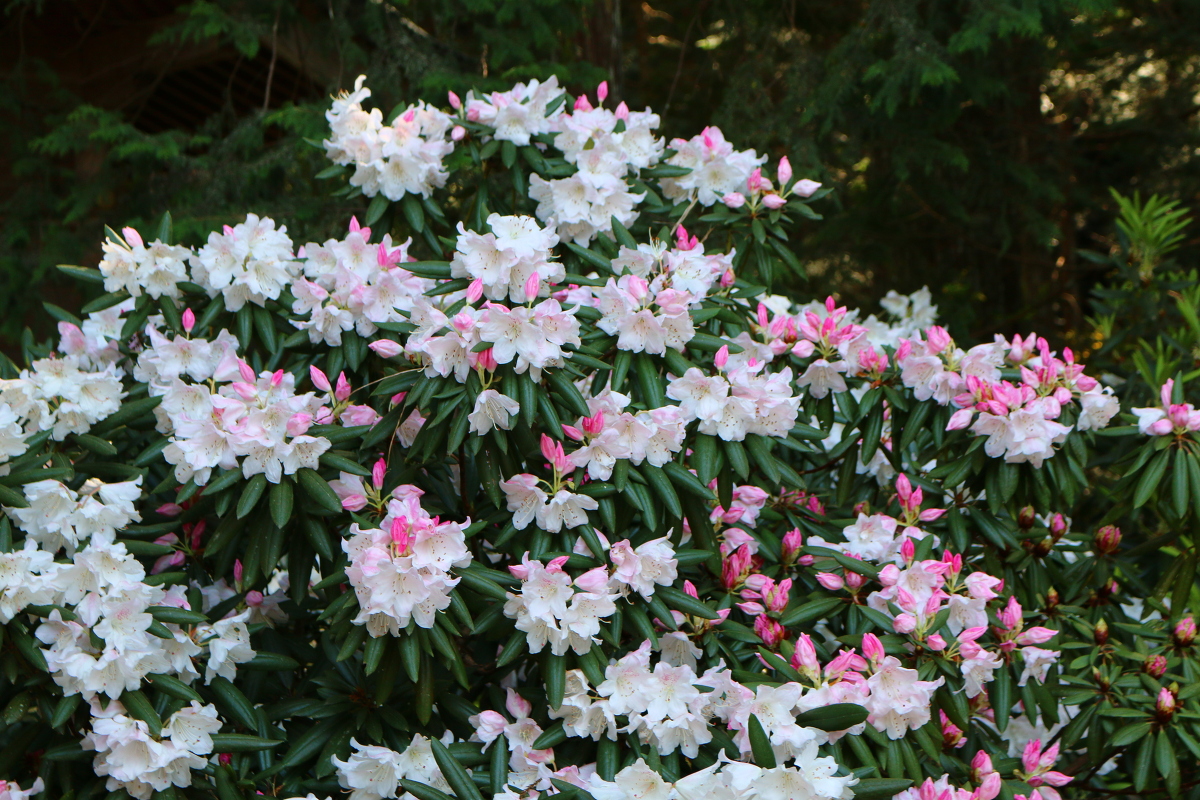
(274, 56)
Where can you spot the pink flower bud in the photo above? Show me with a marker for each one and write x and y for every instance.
(132, 237)
(319, 379)
(189, 320)
(594, 425)
(960, 419)
(458, 133)
(532, 284)
(400, 534)
(1031, 756)
(572, 432)
(386, 348)
(904, 623)
(989, 788)
(354, 502)
(937, 338)
(246, 391)
(774, 201)
(935, 643)
(784, 172)
(769, 630)
(169, 510)
(830, 581)
(622, 111)
(378, 471)
(1108, 540)
(872, 648)
(854, 581)
(602, 92)
(225, 759)
(547, 446)
(1010, 616)
(1036, 635)
(793, 540)
(254, 598)
(486, 360)
(1058, 526)
(1155, 666)
(908, 550)
(582, 103)
(455, 102)
(237, 570)
(734, 200)
(246, 372)
(981, 764)
(805, 188)
(1164, 705)
(342, 392)
(722, 357)
(752, 609)
(197, 533)
(804, 657)
(727, 279)
(517, 705)
(299, 423)
(556, 564)
(689, 589)
(594, 580)
(683, 241)
(356, 415)
(1185, 632)
(475, 291)
(779, 595)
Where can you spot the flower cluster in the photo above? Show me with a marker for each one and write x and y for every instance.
(648, 309)
(532, 337)
(516, 115)
(604, 146)
(550, 611)
(400, 570)
(504, 260)
(130, 265)
(100, 638)
(612, 433)
(228, 417)
(250, 262)
(141, 763)
(353, 285)
(60, 395)
(716, 168)
(738, 401)
(1170, 419)
(402, 157)
(373, 772)
(1019, 420)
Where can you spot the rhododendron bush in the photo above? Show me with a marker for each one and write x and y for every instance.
(527, 485)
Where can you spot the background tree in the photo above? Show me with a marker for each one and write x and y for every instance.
(971, 145)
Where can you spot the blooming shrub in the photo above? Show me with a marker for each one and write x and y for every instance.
(572, 505)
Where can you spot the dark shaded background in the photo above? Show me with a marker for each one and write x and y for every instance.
(971, 143)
